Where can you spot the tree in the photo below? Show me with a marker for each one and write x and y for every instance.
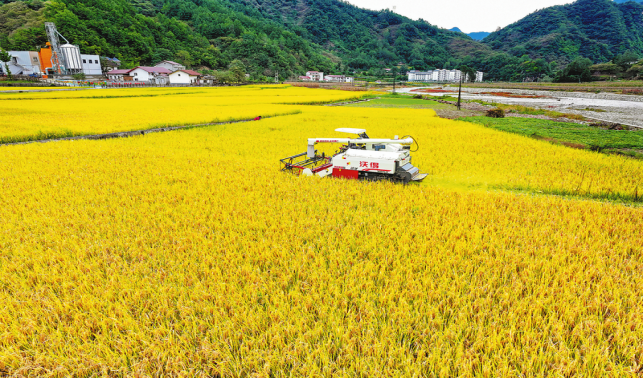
(575, 72)
(238, 71)
(636, 70)
(468, 73)
(223, 77)
(162, 54)
(5, 58)
(184, 58)
(626, 60)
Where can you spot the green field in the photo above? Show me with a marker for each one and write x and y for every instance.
(388, 101)
(589, 137)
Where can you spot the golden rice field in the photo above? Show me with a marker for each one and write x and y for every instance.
(46, 115)
(39, 88)
(189, 254)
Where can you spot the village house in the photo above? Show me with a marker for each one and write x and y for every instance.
(152, 75)
(113, 63)
(170, 65)
(184, 77)
(339, 78)
(315, 75)
(119, 75)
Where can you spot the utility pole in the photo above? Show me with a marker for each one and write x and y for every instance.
(460, 92)
(394, 75)
(277, 77)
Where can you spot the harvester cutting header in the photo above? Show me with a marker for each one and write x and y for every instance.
(359, 158)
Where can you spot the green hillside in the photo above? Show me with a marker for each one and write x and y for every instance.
(594, 29)
(198, 33)
(366, 38)
(289, 36)
(292, 36)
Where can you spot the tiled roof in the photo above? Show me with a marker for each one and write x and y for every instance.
(171, 62)
(159, 70)
(191, 73)
(118, 72)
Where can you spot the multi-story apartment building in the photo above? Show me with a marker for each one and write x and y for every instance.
(442, 76)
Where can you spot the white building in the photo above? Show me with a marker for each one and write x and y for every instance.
(184, 77)
(439, 76)
(153, 75)
(170, 65)
(315, 75)
(338, 78)
(24, 63)
(119, 75)
(91, 64)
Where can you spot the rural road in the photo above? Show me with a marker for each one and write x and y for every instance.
(609, 107)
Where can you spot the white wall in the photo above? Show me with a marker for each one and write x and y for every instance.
(140, 75)
(318, 76)
(171, 67)
(91, 64)
(22, 63)
(118, 77)
(180, 77)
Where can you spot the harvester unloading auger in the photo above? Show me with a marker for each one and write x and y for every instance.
(360, 158)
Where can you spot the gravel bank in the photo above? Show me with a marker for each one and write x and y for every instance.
(606, 107)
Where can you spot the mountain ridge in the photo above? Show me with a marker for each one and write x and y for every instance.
(292, 36)
(595, 29)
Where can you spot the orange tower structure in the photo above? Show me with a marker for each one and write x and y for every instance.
(45, 60)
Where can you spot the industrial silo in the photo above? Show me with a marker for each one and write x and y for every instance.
(72, 58)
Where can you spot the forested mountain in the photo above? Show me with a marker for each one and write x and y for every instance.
(293, 36)
(594, 29)
(197, 33)
(365, 38)
(289, 36)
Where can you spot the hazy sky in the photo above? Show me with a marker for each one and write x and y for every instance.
(469, 15)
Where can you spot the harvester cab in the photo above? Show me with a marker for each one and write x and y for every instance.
(360, 158)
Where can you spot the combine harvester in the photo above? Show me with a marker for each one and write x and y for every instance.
(359, 158)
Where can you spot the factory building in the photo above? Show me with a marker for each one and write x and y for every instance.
(91, 64)
(39, 62)
(24, 63)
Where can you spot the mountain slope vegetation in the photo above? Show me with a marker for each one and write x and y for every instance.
(286, 36)
(196, 33)
(595, 29)
(291, 36)
(364, 38)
